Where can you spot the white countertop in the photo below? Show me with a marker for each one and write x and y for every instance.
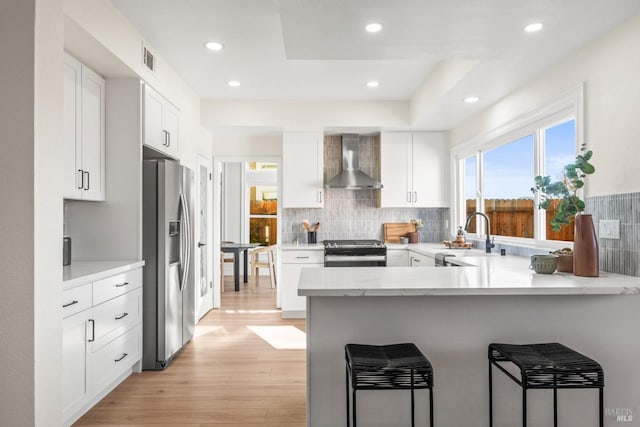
(484, 274)
(81, 272)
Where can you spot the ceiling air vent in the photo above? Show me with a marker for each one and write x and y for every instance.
(148, 59)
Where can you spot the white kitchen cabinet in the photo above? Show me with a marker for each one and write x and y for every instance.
(397, 258)
(293, 261)
(302, 170)
(414, 169)
(161, 123)
(76, 391)
(84, 132)
(101, 338)
(420, 260)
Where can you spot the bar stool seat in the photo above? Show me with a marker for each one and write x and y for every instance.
(546, 366)
(388, 367)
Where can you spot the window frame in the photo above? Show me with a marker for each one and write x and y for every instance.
(567, 107)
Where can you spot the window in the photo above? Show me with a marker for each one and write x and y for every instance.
(261, 179)
(263, 211)
(508, 201)
(559, 144)
(497, 180)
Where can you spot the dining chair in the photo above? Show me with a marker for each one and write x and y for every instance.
(223, 260)
(257, 263)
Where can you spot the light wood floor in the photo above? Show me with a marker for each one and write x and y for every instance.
(227, 376)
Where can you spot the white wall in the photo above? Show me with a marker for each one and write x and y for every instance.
(305, 115)
(31, 213)
(232, 183)
(610, 66)
(250, 145)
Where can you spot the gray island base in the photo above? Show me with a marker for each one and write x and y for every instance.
(453, 327)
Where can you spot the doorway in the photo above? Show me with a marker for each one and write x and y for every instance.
(248, 190)
(203, 267)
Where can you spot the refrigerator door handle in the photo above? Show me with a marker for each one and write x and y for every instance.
(189, 237)
(184, 241)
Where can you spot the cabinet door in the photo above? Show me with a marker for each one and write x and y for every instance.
(75, 384)
(419, 260)
(154, 135)
(430, 170)
(302, 170)
(93, 137)
(395, 170)
(72, 176)
(397, 258)
(170, 123)
(292, 303)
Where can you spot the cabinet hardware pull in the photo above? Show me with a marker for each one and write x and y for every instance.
(409, 196)
(415, 197)
(302, 257)
(121, 357)
(93, 330)
(119, 285)
(87, 188)
(81, 186)
(168, 139)
(123, 316)
(69, 303)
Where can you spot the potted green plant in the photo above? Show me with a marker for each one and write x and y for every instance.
(571, 207)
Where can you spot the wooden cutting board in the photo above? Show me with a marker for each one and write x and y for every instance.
(394, 230)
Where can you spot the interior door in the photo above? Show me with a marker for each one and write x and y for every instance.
(204, 285)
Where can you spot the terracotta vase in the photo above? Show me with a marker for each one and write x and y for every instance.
(565, 263)
(585, 248)
(413, 237)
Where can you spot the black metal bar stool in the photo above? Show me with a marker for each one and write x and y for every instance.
(546, 366)
(388, 367)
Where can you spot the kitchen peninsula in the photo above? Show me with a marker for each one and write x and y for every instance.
(452, 315)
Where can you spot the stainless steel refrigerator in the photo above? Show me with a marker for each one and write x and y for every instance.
(169, 285)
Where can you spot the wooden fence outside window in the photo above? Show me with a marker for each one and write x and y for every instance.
(514, 218)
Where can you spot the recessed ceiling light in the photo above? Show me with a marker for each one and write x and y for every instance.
(233, 83)
(471, 99)
(213, 46)
(374, 27)
(373, 83)
(533, 27)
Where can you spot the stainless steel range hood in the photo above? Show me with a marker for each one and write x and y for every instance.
(352, 177)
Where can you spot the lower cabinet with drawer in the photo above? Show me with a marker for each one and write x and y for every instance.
(292, 263)
(101, 340)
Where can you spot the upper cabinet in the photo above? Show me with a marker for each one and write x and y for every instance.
(414, 169)
(161, 123)
(302, 170)
(84, 134)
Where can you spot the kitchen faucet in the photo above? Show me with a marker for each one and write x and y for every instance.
(489, 244)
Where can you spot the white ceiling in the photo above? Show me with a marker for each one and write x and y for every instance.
(318, 49)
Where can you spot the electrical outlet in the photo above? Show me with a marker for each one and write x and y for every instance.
(609, 229)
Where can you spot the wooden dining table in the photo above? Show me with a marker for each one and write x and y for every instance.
(235, 249)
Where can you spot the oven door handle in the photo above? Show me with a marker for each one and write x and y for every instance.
(334, 258)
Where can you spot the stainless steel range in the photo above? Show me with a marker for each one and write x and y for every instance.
(354, 253)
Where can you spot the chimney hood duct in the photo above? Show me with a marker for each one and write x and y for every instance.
(351, 177)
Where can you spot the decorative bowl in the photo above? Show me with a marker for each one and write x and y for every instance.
(544, 264)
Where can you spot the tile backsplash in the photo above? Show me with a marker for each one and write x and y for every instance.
(352, 214)
(618, 255)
